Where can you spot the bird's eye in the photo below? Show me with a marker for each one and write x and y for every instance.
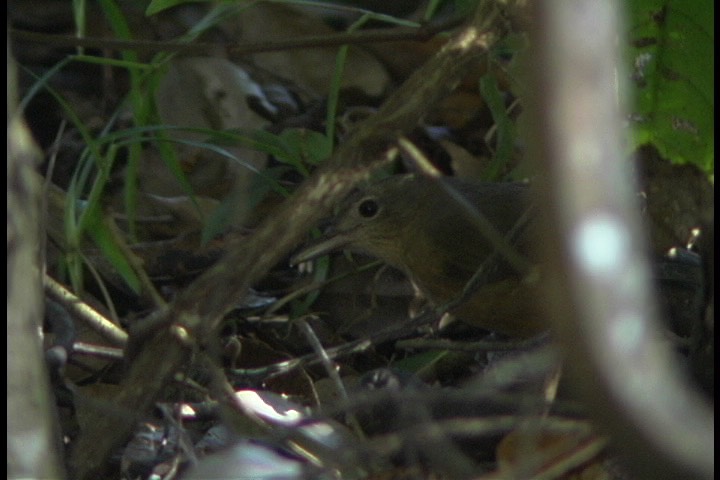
(368, 208)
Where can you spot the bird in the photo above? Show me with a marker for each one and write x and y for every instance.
(436, 231)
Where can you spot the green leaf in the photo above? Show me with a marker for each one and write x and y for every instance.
(465, 7)
(505, 126)
(104, 239)
(157, 6)
(420, 361)
(306, 146)
(672, 51)
(141, 108)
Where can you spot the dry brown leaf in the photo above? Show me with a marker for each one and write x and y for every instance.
(209, 93)
(310, 69)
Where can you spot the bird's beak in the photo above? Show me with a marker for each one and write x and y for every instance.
(330, 242)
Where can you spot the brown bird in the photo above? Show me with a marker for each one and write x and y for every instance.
(433, 230)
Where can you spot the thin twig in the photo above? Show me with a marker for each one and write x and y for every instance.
(419, 34)
(85, 312)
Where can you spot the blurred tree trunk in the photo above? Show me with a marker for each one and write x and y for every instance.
(32, 433)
